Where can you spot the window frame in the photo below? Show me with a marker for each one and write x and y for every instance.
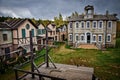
(100, 24)
(5, 37)
(76, 37)
(87, 25)
(23, 35)
(95, 25)
(93, 38)
(99, 38)
(82, 24)
(70, 37)
(108, 24)
(107, 37)
(76, 25)
(70, 25)
(82, 37)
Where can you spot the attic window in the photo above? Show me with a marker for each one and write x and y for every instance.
(27, 26)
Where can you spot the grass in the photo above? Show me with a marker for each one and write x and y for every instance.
(106, 64)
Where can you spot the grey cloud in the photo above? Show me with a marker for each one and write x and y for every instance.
(47, 9)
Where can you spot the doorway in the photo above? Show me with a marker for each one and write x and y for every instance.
(88, 38)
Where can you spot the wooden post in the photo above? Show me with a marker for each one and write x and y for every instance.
(32, 55)
(46, 56)
(16, 74)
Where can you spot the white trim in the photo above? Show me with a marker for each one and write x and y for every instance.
(70, 35)
(107, 37)
(87, 24)
(76, 24)
(108, 25)
(98, 38)
(92, 38)
(75, 37)
(83, 38)
(93, 24)
(83, 25)
(70, 25)
(99, 25)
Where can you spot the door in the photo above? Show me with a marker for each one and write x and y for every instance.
(7, 52)
(88, 37)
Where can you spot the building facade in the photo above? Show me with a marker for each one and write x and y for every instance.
(5, 39)
(61, 33)
(91, 28)
(21, 33)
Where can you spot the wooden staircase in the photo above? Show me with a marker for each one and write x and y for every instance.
(87, 46)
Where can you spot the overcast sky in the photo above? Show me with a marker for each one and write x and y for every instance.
(47, 9)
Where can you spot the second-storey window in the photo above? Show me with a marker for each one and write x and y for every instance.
(94, 24)
(5, 38)
(77, 25)
(32, 32)
(87, 24)
(23, 33)
(100, 24)
(82, 24)
(70, 24)
(109, 24)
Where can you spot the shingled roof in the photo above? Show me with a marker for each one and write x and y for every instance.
(4, 25)
(15, 23)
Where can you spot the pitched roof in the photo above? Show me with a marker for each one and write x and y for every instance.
(4, 25)
(15, 23)
(48, 29)
(95, 17)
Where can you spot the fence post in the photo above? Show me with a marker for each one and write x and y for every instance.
(46, 56)
(16, 74)
(32, 55)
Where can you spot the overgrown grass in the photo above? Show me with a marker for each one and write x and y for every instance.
(105, 63)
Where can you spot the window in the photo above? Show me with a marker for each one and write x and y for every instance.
(94, 38)
(70, 24)
(77, 38)
(88, 24)
(27, 26)
(100, 24)
(94, 24)
(70, 37)
(109, 24)
(82, 24)
(23, 33)
(5, 38)
(77, 25)
(99, 38)
(32, 32)
(108, 38)
(82, 37)
(43, 31)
